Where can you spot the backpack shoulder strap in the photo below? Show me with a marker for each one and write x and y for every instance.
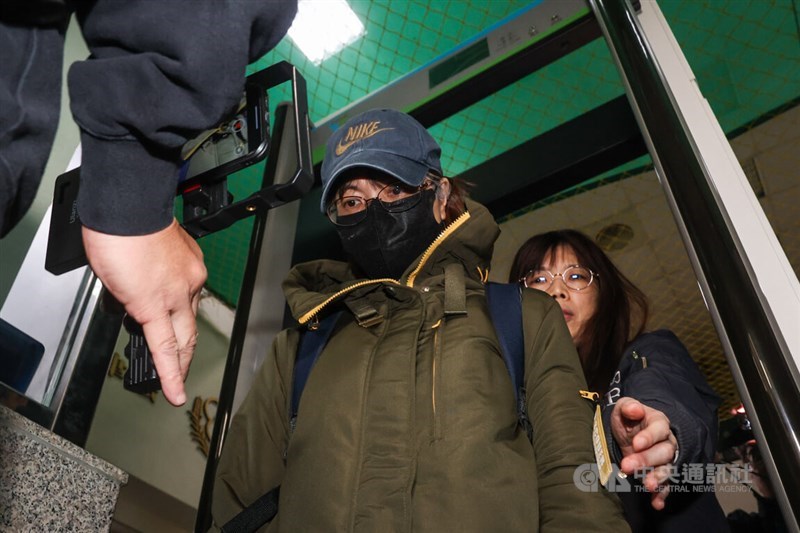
(255, 515)
(505, 309)
(312, 341)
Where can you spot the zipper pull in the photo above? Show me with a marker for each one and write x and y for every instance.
(313, 324)
(601, 454)
(592, 396)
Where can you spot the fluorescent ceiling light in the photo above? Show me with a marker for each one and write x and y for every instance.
(324, 27)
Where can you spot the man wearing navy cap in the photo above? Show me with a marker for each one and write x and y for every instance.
(407, 421)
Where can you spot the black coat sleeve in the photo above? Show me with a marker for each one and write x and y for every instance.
(159, 73)
(658, 371)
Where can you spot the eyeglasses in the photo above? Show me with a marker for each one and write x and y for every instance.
(575, 277)
(395, 197)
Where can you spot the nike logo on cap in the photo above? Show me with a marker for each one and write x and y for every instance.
(357, 133)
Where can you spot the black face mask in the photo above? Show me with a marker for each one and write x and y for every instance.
(384, 244)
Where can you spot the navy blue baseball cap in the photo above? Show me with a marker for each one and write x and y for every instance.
(382, 139)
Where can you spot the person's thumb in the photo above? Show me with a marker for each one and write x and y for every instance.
(632, 411)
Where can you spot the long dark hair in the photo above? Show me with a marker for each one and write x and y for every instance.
(621, 311)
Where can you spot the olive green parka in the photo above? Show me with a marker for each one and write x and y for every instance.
(408, 421)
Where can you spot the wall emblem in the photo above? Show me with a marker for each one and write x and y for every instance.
(202, 417)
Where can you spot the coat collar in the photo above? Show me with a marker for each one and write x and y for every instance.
(469, 240)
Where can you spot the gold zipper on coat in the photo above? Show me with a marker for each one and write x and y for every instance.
(411, 277)
(308, 316)
(589, 395)
(435, 244)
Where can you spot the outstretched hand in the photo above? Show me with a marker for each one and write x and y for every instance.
(644, 436)
(157, 278)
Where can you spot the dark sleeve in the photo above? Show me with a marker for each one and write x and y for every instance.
(661, 374)
(30, 97)
(159, 73)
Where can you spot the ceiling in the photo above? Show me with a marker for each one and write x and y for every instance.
(745, 55)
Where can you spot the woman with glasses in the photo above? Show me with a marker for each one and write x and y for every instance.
(408, 421)
(659, 414)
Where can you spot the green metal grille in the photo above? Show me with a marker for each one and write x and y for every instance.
(745, 55)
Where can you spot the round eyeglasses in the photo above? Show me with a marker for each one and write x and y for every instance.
(575, 277)
(395, 197)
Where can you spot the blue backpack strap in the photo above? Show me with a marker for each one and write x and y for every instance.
(505, 309)
(312, 342)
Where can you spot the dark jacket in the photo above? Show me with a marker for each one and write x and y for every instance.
(159, 73)
(409, 423)
(658, 371)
